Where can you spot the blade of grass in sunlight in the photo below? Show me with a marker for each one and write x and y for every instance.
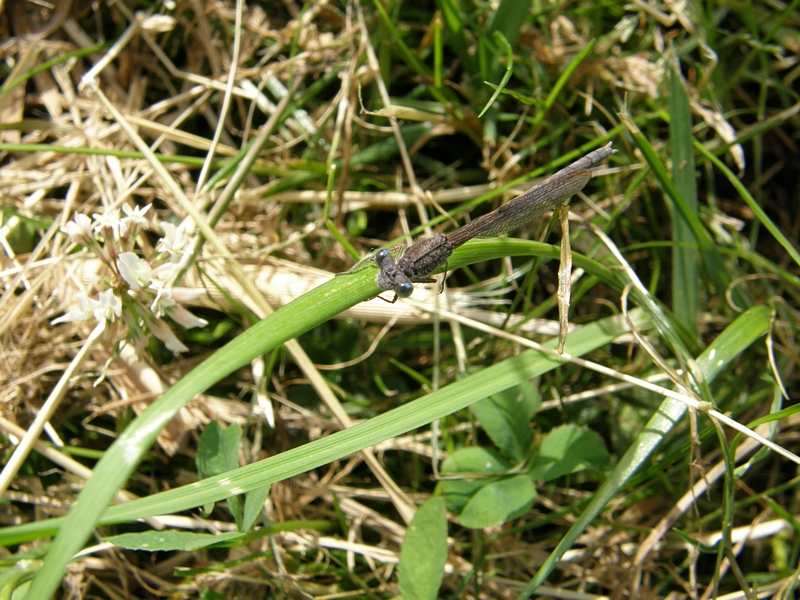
(286, 323)
(256, 340)
(685, 271)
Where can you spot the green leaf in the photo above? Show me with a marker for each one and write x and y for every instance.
(508, 19)
(47, 65)
(773, 418)
(453, 19)
(506, 417)
(218, 449)
(689, 540)
(499, 501)
(558, 88)
(762, 216)
(526, 100)
(169, 541)
(11, 577)
(253, 503)
(685, 267)
(424, 552)
(479, 499)
(716, 269)
(218, 453)
(501, 41)
(397, 37)
(209, 594)
(566, 450)
(474, 461)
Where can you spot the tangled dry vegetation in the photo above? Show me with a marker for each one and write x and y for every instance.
(154, 207)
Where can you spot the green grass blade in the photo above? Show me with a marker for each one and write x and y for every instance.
(685, 270)
(508, 19)
(47, 65)
(446, 401)
(498, 37)
(714, 266)
(562, 81)
(454, 23)
(397, 37)
(763, 218)
(438, 55)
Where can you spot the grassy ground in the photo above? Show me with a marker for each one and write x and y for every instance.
(265, 430)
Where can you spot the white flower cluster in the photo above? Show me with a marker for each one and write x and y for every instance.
(138, 292)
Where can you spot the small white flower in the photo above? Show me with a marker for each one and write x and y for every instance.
(185, 318)
(165, 305)
(165, 271)
(174, 242)
(107, 223)
(79, 230)
(183, 295)
(109, 307)
(134, 218)
(135, 271)
(85, 312)
(163, 301)
(162, 331)
(164, 244)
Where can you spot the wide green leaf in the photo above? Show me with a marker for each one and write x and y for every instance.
(498, 501)
(217, 453)
(506, 418)
(424, 552)
(566, 450)
(471, 468)
(478, 489)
